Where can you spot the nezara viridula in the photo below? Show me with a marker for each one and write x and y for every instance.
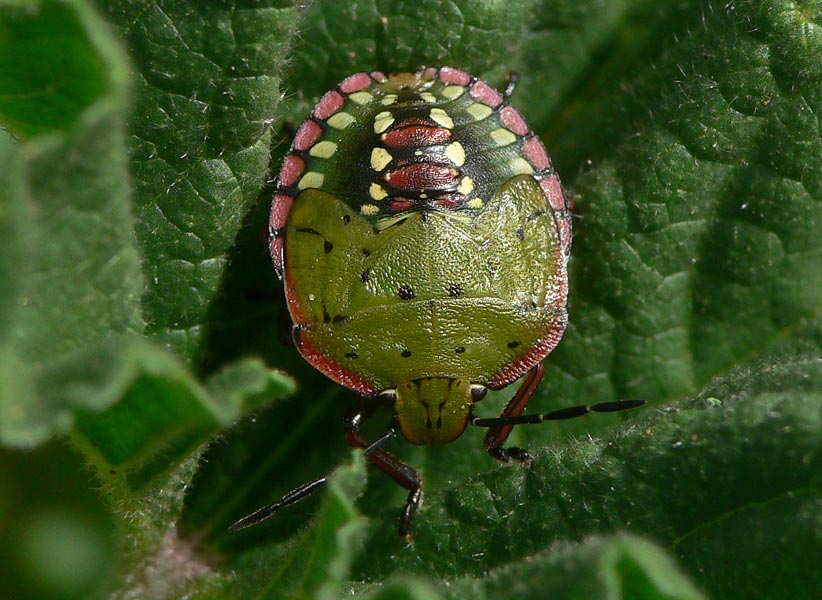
(423, 238)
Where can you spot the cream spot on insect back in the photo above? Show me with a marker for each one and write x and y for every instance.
(312, 179)
(520, 166)
(456, 153)
(323, 149)
(428, 97)
(441, 117)
(341, 120)
(389, 99)
(475, 203)
(377, 192)
(479, 111)
(383, 121)
(503, 137)
(452, 91)
(380, 159)
(369, 209)
(466, 186)
(361, 98)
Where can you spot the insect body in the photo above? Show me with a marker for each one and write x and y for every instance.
(423, 238)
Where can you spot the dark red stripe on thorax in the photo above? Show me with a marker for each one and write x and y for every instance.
(423, 176)
(409, 134)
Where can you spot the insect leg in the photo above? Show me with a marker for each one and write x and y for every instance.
(571, 412)
(266, 512)
(370, 450)
(498, 434)
(499, 428)
(402, 473)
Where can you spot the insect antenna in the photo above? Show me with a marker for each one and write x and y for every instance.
(511, 83)
(571, 412)
(297, 494)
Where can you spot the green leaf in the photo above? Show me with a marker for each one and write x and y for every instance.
(72, 359)
(705, 215)
(53, 66)
(404, 588)
(59, 538)
(620, 566)
(148, 412)
(316, 563)
(139, 313)
(70, 265)
(689, 472)
(206, 92)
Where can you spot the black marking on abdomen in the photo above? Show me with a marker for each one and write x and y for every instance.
(327, 246)
(406, 292)
(455, 290)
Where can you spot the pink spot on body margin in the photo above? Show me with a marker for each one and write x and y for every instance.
(307, 135)
(293, 167)
(455, 76)
(329, 104)
(486, 94)
(355, 83)
(534, 151)
(512, 120)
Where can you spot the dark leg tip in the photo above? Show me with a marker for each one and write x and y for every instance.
(499, 453)
(505, 455)
(520, 455)
(411, 506)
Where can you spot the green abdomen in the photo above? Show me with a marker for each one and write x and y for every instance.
(422, 232)
(437, 295)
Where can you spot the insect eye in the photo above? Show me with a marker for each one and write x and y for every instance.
(478, 392)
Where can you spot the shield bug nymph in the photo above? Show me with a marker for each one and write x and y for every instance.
(423, 236)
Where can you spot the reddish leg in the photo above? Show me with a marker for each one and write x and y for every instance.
(402, 473)
(498, 434)
(499, 428)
